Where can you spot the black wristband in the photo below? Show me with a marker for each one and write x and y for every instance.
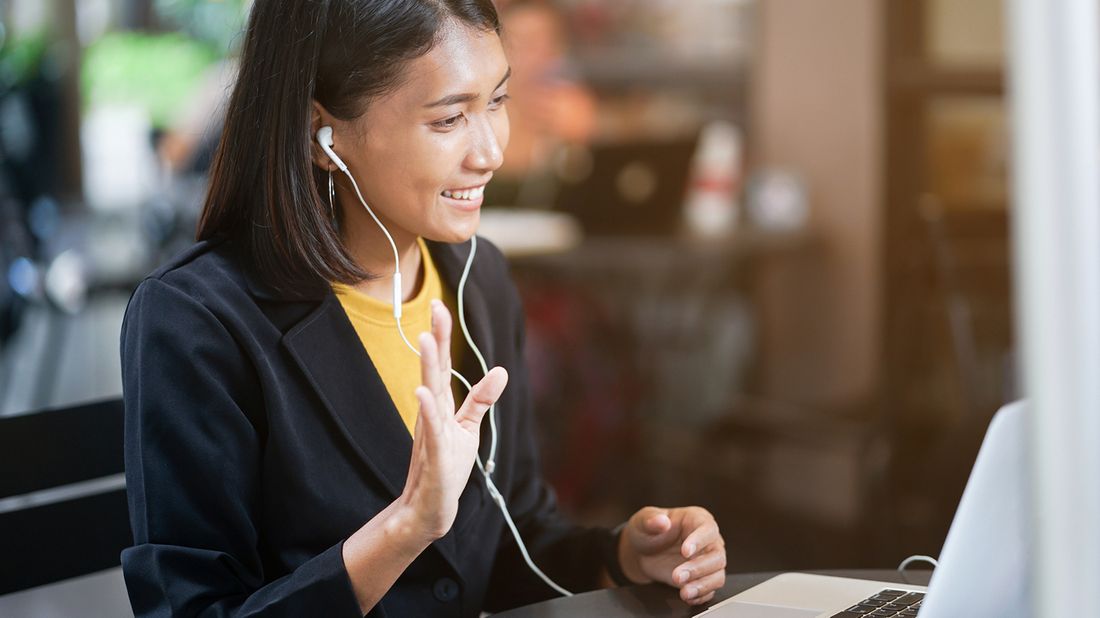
(611, 558)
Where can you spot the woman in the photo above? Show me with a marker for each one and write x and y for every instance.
(278, 460)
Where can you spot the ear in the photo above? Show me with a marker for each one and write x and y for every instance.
(318, 118)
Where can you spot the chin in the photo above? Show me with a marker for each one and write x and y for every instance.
(457, 232)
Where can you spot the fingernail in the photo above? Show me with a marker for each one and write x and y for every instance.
(691, 550)
(690, 592)
(681, 577)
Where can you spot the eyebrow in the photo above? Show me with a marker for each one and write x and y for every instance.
(465, 97)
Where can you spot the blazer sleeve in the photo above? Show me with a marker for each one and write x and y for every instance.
(193, 443)
(569, 554)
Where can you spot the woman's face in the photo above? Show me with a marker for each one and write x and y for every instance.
(423, 153)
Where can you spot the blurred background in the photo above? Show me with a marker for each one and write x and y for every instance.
(763, 244)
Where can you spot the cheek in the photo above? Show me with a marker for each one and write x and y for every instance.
(418, 164)
(440, 161)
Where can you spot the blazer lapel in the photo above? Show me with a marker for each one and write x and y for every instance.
(329, 352)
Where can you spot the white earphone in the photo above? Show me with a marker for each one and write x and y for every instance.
(324, 139)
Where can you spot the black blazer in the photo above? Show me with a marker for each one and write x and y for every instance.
(259, 436)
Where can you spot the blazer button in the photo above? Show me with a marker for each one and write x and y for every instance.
(445, 589)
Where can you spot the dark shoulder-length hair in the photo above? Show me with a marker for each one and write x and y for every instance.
(265, 192)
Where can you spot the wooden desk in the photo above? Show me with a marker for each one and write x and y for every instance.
(659, 601)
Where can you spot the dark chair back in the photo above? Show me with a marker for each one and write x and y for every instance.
(63, 506)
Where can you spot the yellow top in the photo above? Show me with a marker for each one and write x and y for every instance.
(373, 320)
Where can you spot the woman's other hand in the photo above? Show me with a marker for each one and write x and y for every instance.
(445, 442)
(680, 547)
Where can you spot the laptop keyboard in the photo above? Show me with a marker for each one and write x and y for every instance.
(900, 603)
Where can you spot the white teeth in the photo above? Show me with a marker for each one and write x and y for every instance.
(466, 194)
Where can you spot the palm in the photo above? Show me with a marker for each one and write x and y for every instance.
(445, 442)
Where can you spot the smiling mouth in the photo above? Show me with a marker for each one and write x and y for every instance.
(465, 194)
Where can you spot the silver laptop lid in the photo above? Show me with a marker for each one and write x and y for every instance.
(986, 559)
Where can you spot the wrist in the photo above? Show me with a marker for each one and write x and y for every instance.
(621, 565)
(630, 562)
(378, 552)
(404, 523)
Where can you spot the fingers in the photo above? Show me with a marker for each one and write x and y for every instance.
(702, 565)
(651, 530)
(421, 423)
(435, 373)
(426, 436)
(656, 521)
(441, 331)
(705, 572)
(429, 364)
(702, 531)
(703, 600)
(482, 395)
(428, 417)
(702, 590)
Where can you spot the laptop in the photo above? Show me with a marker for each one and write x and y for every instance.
(626, 188)
(983, 569)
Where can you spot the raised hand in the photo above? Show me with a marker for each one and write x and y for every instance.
(445, 442)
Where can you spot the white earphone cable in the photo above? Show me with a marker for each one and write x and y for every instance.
(917, 558)
(492, 462)
(393, 245)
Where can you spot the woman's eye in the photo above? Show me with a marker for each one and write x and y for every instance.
(447, 123)
(450, 123)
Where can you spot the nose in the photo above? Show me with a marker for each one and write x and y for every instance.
(485, 154)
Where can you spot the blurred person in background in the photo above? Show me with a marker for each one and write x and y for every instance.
(549, 108)
(187, 146)
(275, 468)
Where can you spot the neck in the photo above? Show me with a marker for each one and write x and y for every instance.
(372, 252)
